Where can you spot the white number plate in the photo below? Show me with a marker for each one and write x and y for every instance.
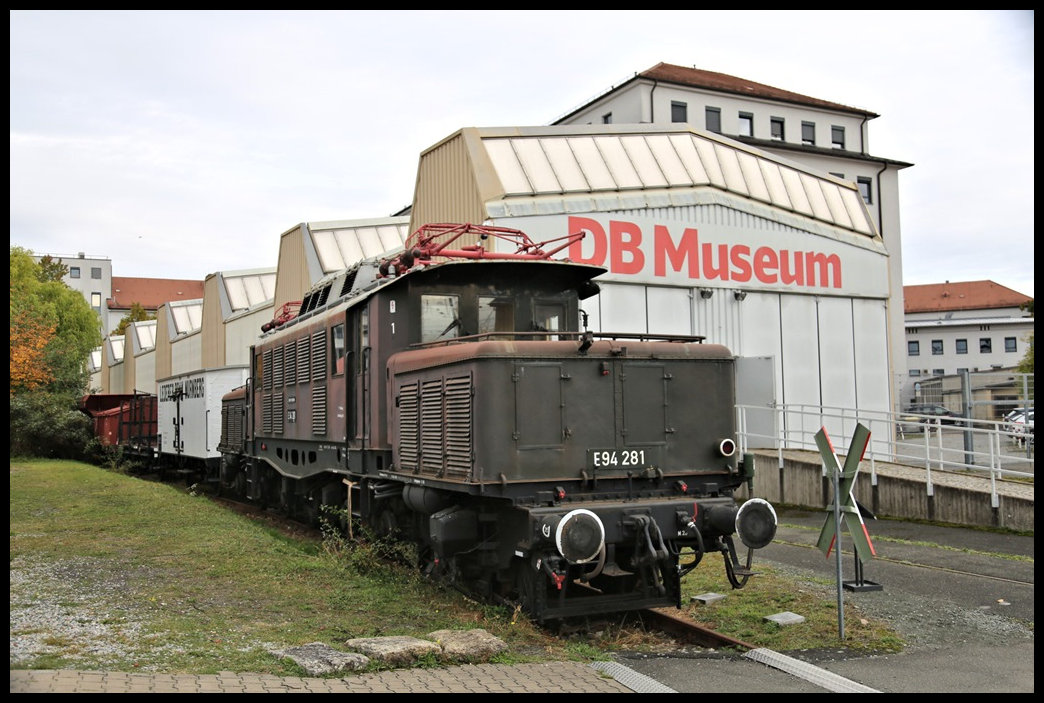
(621, 459)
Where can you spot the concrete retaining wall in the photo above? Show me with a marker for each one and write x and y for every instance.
(899, 491)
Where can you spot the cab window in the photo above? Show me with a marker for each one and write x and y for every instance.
(440, 317)
(496, 314)
(548, 317)
(337, 349)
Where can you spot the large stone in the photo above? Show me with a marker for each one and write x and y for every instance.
(318, 659)
(468, 645)
(393, 651)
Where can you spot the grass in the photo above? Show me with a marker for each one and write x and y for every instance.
(179, 584)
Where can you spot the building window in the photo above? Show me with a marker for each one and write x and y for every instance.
(914, 373)
(838, 175)
(937, 347)
(74, 272)
(808, 133)
(96, 301)
(679, 112)
(607, 118)
(962, 346)
(746, 124)
(837, 137)
(961, 370)
(865, 189)
(985, 345)
(95, 272)
(776, 124)
(1009, 344)
(938, 372)
(713, 119)
(913, 348)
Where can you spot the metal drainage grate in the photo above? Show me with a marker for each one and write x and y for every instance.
(639, 683)
(808, 672)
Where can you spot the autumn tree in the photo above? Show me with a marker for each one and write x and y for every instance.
(52, 332)
(42, 306)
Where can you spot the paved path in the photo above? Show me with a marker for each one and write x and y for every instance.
(549, 677)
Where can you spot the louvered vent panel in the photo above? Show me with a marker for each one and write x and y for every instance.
(291, 363)
(349, 281)
(319, 409)
(266, 414)
(277, 413)
(318, 355)
(235, 426)
(431, 429)
(277, 368)
(458, 428)
(303, 360)
(409, 427)
(266, 360)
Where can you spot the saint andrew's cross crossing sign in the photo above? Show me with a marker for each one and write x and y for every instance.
(848, 507)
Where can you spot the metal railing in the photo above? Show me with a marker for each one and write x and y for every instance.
(981, 447)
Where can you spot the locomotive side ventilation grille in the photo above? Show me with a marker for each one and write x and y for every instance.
(291, 363)
(303, 360)
(232, 426)
(318, 355)
(458, 427)
(277, 367)
(349, 281)
(431, 427)
(277, 413)
(409, 423)
(435, 427)
(319, 410)
(266, 413)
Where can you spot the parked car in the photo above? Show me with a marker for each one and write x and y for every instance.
(917, 416)
(1019, 426)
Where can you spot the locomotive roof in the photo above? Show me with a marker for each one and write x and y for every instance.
(357, 283)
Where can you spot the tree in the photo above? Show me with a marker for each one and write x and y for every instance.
(51, 269)
(137, 314)
(52, 330)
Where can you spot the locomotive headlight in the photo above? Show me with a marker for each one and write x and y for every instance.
(579, 535)
(727, 447)
(756, 523)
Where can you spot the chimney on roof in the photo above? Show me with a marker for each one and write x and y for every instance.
(82, 255)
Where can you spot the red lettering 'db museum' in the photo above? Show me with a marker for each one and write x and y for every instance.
(623, 253)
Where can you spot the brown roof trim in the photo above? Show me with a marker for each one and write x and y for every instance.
(722, 82)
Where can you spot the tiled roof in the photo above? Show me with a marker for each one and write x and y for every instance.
(150, 293)
(725, 83)
(968, 295)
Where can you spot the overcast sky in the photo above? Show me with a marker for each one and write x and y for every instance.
(180, 143)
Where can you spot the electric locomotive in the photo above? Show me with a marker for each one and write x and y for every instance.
(452, 397)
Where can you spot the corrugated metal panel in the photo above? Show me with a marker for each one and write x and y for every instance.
(451, 187)
(534, 164)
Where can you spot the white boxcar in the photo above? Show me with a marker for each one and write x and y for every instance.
(190, 412)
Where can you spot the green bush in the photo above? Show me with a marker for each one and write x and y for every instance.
(48, 426)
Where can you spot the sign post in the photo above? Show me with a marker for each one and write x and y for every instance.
(845, 508)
